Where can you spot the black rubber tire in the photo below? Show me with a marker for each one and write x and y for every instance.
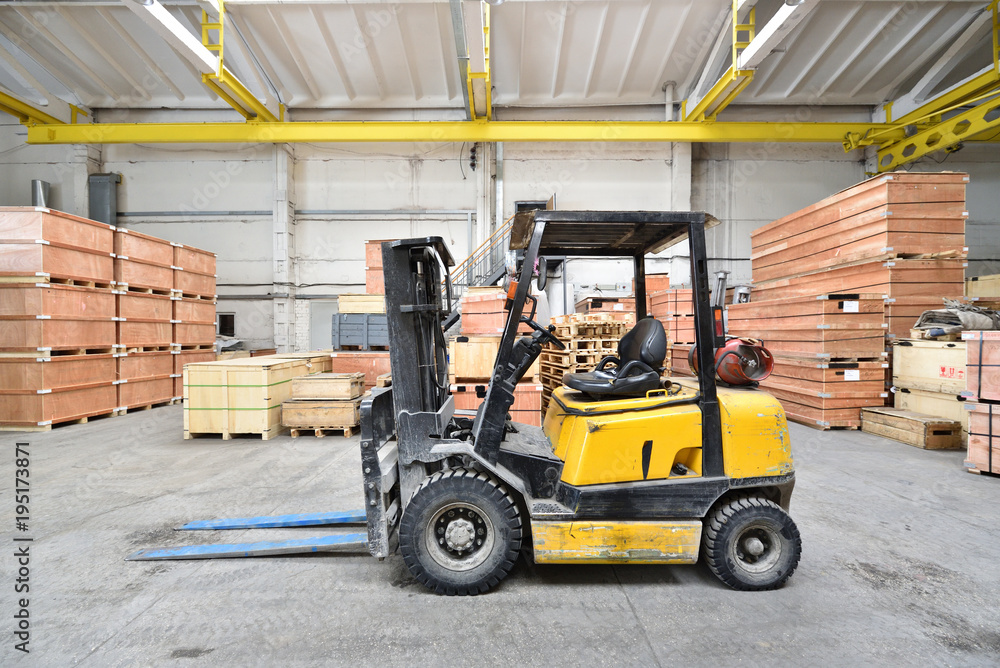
(748, 518)
(472, 489)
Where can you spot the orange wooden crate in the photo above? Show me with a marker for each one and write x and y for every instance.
(27, 332)
(136, 333)
(28, 224)
(20, 374)
(143, 306)
(189, 283)
(373, 254)
(983, 370)
(145, 392)
(138, 365)
(58, 262)
(984, 437)
(142, 247)
(372, 364)
(56, 300)
(527, 407)
(33, 409)
(194, 259)
(144, 275)
(193, 333)
(194, 310)
(374, 281)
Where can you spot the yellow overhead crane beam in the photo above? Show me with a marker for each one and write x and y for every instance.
(449, 131)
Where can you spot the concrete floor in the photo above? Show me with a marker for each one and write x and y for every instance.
(900, 558)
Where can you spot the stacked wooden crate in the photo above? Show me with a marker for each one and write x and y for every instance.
(588, 337)
(674, 307)
(829, 354)
(654, 283)
(888, 248)
(57, 319)
(238, 396)
(899, 235)
(374, 278)
(324, 402)
(472, 356)
(372, 363)
(983, 393)
(623, 305)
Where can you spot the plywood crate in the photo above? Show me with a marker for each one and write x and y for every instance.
(31, 409)
(526, 409)
(672, 302)
(182, 357)
(151, 364)
(984, 287)
(329, 386)
(316, 361)
(264, 352)
(473, 357)
(371, 363)
(984, 437)
(144, 392)
(59, 317)
(140, 276)
(42, 245)
(361, 304)
(983, 357)
(922, 431)
(938, 404)
(374, 281)
(233, 355)
(143, 320)
(19, 333)
(143, 306)
(373, 253)
(193, 285)
(306, 414)
(34, 372)
(193, 310)
(238, 396)
(131, 245)
(196, 260)
(934, 366)
(193, 334)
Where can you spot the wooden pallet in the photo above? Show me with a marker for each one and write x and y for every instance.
(29, 428)
(320, 432)
(267, 435)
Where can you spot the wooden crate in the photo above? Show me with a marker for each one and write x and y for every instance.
(131, 245)
(188, 258)
(74, 249)
(238, 396)
(473, 357)
(144, 334)
(984, 287)
(137, 275)
(233, 355)
(385, 380)
(144, 392)
(361, 304)
(192, 284)
(922, 431)
(373, 253)
(316, 361)
(526, 409)
(672, 302)
(483, 312)
(934, 366)
(57, 301)
(143, 306)
(983, 357)
(193, 310)
(32, 373)
(329, 386)
(139, 365)
(938, 404)
(29, 333)
(182, 357)
(263, 352)
(193, 334)
(374, 281)
(371, 363)
(305, 414)
(984, 437)
(31, 409)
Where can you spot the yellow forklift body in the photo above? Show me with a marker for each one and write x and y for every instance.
(629, 440)
(601, 542)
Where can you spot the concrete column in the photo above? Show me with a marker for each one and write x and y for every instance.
(86, 161)
(680, 176)
(283, 226)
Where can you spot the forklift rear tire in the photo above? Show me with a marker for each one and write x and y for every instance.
(751, 544)
(461, 532)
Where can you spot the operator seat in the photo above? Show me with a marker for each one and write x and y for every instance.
(637, 368)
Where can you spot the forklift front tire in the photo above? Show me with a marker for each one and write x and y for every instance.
(460, 533)
(751, 544)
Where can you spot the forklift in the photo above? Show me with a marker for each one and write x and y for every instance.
(628, 468)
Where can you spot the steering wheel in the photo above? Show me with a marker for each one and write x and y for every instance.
(547, 335)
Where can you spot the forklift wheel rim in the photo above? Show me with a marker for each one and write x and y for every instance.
(437, 526)
(753, 537)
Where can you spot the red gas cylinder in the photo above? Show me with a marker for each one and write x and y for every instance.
(740, 361)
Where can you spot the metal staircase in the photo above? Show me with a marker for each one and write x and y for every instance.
(485, 266)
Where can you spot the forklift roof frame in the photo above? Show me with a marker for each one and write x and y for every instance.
(619, 234)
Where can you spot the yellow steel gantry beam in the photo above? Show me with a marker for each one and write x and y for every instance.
(450, 131)
(24, 112)
(942, 136)
(730, 84)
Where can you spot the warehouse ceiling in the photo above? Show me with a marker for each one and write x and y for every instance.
(544, 53)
